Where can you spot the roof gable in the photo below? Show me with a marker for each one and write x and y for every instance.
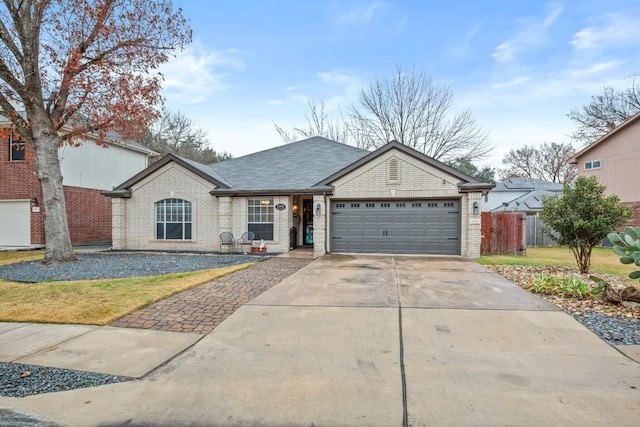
(465, 180)
(199, 169)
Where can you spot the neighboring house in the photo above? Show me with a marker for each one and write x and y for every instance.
(522, 195)
(339, 198)
(613, 160)
(87, 171)
(519, 195)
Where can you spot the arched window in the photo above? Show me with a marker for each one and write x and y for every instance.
(173, 219)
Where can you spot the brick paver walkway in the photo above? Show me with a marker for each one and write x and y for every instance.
(203, 308)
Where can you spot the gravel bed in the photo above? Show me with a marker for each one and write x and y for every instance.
(616, 324)
(20, 380)
(118, 265)
(613, 330)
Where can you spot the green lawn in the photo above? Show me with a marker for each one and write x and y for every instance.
(91, 302)
(603, 260)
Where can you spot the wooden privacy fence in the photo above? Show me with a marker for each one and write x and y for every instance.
(503, 233)
(536, 236)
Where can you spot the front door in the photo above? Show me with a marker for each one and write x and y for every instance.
(307, 222)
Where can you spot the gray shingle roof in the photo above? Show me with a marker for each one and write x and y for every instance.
(528, 202)
(207, 169)
(298, 165)
(523, 184)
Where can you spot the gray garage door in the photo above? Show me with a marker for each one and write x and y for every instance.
(396, 227)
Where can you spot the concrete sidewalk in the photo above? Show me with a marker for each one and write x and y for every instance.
(376, 340)
(105, 350)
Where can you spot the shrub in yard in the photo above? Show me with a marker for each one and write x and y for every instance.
(582, 217)
(568, 287)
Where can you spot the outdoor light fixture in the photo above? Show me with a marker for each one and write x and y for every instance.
(475, 208)
(318, 209)
(34, 201)
(295, 208)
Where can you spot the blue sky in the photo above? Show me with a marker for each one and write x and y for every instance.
(519, 66)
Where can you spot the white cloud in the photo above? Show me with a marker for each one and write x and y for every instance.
(615, 29)
(532, 32)
(275, 101)
(357, 15)
(195, 74)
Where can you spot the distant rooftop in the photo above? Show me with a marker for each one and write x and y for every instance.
(527, 184)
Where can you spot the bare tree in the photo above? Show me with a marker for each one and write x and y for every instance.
(318, 124)
(175, 133)
(549, 162)
(604, 113)
(80, 68)
(414, 111)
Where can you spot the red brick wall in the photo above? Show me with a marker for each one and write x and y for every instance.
(89, 215)
(88, 211)
(18, 181)
(635, 208)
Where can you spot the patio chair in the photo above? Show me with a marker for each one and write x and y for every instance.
(246, 239)
(226, 239)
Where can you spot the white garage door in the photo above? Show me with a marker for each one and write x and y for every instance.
(396, 227)
(15, 223)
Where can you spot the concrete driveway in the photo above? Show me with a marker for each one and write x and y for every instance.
(376, 340)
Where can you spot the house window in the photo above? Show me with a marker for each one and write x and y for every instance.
(393, 169)
(260, 217)
(173, 219)
(594, 164)
(18, 148)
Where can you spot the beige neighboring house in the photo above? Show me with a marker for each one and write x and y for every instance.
(336, 197)
(614, 160)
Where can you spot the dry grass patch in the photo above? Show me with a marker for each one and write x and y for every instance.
(95, 302)
(602, 260)
(11, 257)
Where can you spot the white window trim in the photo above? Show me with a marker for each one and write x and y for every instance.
(588, 166)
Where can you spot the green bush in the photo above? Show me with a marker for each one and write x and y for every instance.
(582, 217)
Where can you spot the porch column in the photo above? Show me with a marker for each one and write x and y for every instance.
(224, 217)
(118, 223)
(319, 225)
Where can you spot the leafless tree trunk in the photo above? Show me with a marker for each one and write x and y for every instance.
(56, 228)
(79, 69)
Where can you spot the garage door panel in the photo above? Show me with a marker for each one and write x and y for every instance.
(411, 227)
(15, 217)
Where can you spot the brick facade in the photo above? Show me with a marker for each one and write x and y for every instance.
(88, 211)
(88, 214)
(635, 208)
(134, 216)
(417, 180)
